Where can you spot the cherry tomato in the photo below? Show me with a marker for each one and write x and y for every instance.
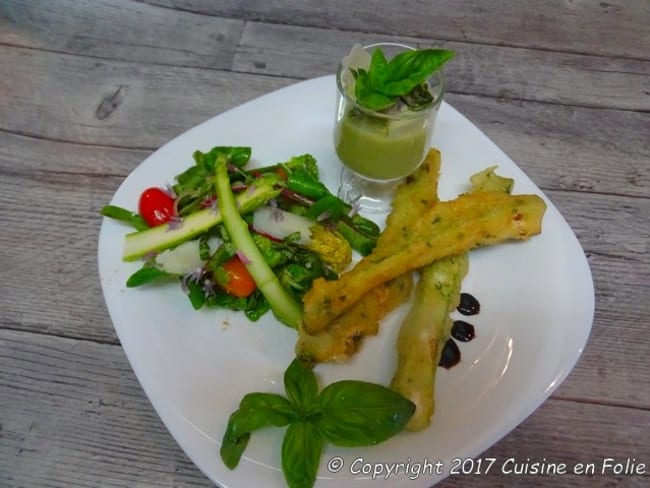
(240, 283)
(156, 207)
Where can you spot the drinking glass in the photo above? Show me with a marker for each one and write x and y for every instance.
(379, 148)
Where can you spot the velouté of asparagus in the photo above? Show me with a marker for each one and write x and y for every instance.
(155, 239)
(284, 307)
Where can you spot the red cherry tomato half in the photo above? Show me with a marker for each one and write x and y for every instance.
(240, 283)
(156, 207)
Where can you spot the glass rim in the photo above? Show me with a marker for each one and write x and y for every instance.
(407, 114)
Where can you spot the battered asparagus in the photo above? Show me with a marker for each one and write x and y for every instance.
(447, 229)
(427, 327)
(343, 336)
(423, 334)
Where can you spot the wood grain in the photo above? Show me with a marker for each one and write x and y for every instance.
(494, 71)
(573, 26)
(75, 415)
(115, 103)
(130, 31)
(594, 150)
(49, 254)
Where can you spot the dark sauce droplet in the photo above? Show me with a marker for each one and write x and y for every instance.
(450, 354)
(462, 331)
(468, 304)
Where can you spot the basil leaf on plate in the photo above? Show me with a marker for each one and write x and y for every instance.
(300, 385)
(346, 413)
(256, 410)
(358, 413)
(301, 450)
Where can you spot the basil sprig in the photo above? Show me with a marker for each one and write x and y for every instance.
(385, 82)
(345, 413)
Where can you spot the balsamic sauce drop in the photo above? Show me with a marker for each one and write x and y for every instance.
(450, 354)
(468, 304)
(462, 331)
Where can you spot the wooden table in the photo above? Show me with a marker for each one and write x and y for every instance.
(89, 89)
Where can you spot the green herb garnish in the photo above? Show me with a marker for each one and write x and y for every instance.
(124, 215)
(345, 413)
(404, 77)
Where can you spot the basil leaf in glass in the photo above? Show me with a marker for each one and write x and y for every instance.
(358, 413)
(406, 74)
(384, 82)
(418, 98)
(301, 451)
(378, 71)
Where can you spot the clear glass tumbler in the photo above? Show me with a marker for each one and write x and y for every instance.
(379, 148)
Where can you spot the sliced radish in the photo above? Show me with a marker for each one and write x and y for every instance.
(278, 224)
(185, 257)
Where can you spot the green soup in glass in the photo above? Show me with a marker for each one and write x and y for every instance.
(381, 148)
(383, 145)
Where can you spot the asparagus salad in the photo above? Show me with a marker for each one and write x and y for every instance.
(243, 239)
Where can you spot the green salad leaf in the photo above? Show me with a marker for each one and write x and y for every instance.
(124, 215)
(146, 274)
(293, 186)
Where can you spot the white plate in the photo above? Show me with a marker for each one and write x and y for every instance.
(537, 303)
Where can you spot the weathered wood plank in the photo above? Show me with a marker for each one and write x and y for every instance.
(24, 154)
(597, 150)
(50, 282)
(94, 29)
(130, 31)
(494, 71)
(51, 252)
(574, 26)
(114, 103)
(568, 147)
(73, 414)
(616, 333)
(569, 433)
